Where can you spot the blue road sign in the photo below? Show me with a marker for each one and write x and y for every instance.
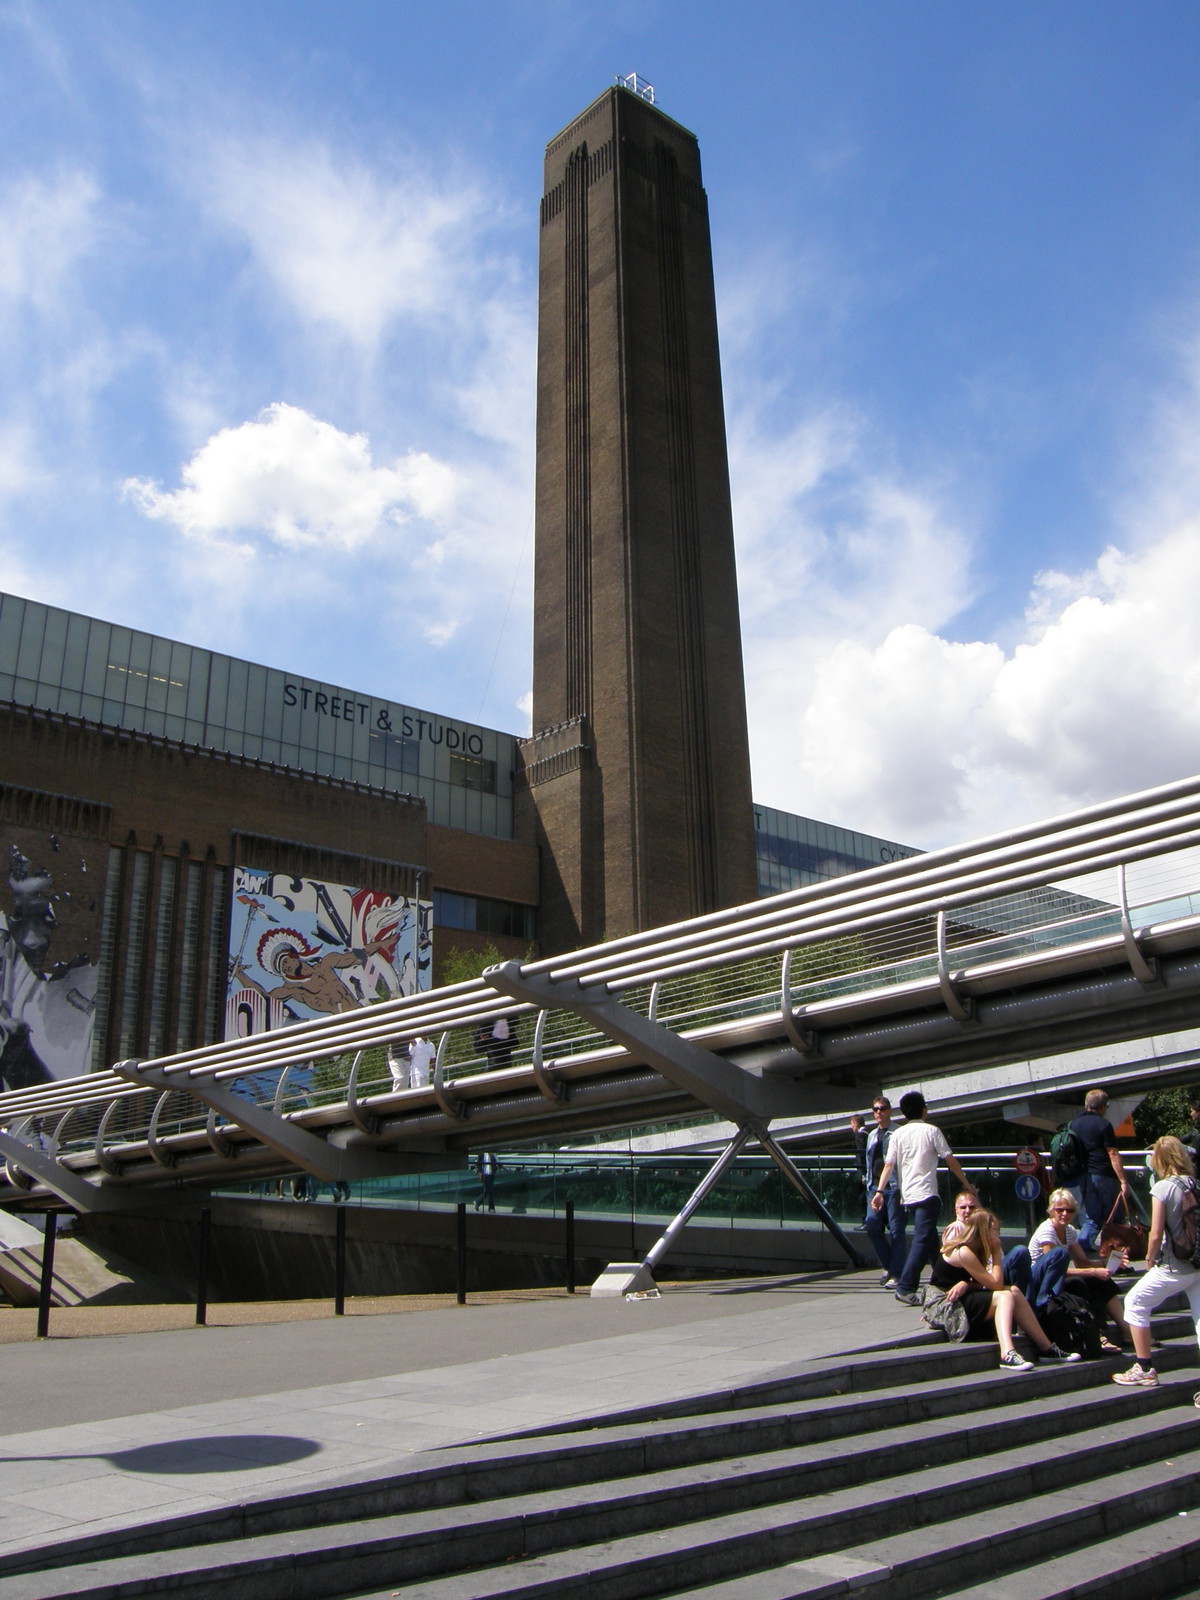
(1028, 1187)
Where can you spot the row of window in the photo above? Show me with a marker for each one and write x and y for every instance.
(474, 913)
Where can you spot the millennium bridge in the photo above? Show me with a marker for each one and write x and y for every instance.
(1035, 946)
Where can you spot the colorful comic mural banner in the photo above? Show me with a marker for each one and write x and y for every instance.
(300, 948)
(52, 887)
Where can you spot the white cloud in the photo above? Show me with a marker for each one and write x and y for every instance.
(47, 224)
(921, 738)
(298, 481)
(348, 247)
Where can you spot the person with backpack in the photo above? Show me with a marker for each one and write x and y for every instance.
(1172, 1254)
(1103, 1178)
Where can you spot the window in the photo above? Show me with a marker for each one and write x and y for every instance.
(472, 772)
(502, 919)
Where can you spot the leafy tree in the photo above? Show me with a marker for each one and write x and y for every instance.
(460, 966)
(1162, 1111)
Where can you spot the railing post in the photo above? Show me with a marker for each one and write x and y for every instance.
(570, 1217)
(202, 1267)
(461, 1254)
(46, 1282)
(339, 1263)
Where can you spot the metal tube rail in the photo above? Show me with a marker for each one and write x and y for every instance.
(908, 901)
(737, 947)
(1148, 800)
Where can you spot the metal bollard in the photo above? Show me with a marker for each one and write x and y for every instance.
(339, 1264)
(570, 1215)
(461, 1254)
(202, 1267)
(46, 1282)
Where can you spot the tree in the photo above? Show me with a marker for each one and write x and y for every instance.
(1162, 1111)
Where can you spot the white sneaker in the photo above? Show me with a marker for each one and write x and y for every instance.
(1138, 1377)
(1014, 1361)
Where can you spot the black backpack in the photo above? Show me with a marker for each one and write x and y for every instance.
(1068, 1155)
(1185, 1240)
(1069, 1323)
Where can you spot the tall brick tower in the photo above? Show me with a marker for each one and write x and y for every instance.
(636, 781)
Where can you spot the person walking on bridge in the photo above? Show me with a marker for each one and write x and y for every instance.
(914, 1152)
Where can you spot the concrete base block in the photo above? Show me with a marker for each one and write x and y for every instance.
(623, 1277)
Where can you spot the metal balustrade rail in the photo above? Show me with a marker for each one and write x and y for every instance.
(1086, 926)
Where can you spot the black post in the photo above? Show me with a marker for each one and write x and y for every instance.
(570, 1211)
(202, 1267)
(461, 1275)
(46, 1284)
(339, 1264)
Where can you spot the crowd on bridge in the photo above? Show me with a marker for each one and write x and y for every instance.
(1063, 1289)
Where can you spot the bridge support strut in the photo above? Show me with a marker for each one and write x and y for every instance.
(741, 1096)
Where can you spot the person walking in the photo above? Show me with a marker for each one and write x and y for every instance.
(915, 1149)
(1167, 1273)
(1104, 1175)
(885, 1226)
(486, 1166)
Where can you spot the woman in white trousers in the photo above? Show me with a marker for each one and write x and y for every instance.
(1168, 1271)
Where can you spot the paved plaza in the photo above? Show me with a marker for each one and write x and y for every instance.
(108, 1431)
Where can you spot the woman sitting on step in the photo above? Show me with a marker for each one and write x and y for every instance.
(965, 1271)
(1077, 1274)
(1167, 1273)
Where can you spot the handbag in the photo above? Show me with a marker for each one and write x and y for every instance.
(947, 1316)
(1119, 1236)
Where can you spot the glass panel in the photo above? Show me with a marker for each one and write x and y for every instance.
(95, 672)
(75, 653)
(54, 643)
(29, 656)
(12, 613)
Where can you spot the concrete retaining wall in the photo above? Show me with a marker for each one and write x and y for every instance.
(282, 1249)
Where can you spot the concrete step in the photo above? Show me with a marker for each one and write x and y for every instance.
(1090, 1528)
(1158, 1561)
(697, 1514)
(920, 1561)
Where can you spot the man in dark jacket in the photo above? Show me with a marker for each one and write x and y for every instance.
(1104, 1175)
(885, 1228)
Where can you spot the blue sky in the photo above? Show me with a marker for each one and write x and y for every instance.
(267, 341)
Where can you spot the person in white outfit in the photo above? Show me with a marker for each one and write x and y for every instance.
(398, 1061)
(420, 1054)
(1168, 1274)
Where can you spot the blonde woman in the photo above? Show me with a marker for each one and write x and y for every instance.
(1093, 1284)
(1166, 1274)
(969, 1270)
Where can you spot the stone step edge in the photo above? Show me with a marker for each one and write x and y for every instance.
(200, 1574)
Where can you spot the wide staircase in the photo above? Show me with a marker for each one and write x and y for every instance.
(918, 1471)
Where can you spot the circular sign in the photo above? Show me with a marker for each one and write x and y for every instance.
(1028, 1188)
(1026, 1160)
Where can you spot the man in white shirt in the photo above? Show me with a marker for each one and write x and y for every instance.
(914, 1152)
